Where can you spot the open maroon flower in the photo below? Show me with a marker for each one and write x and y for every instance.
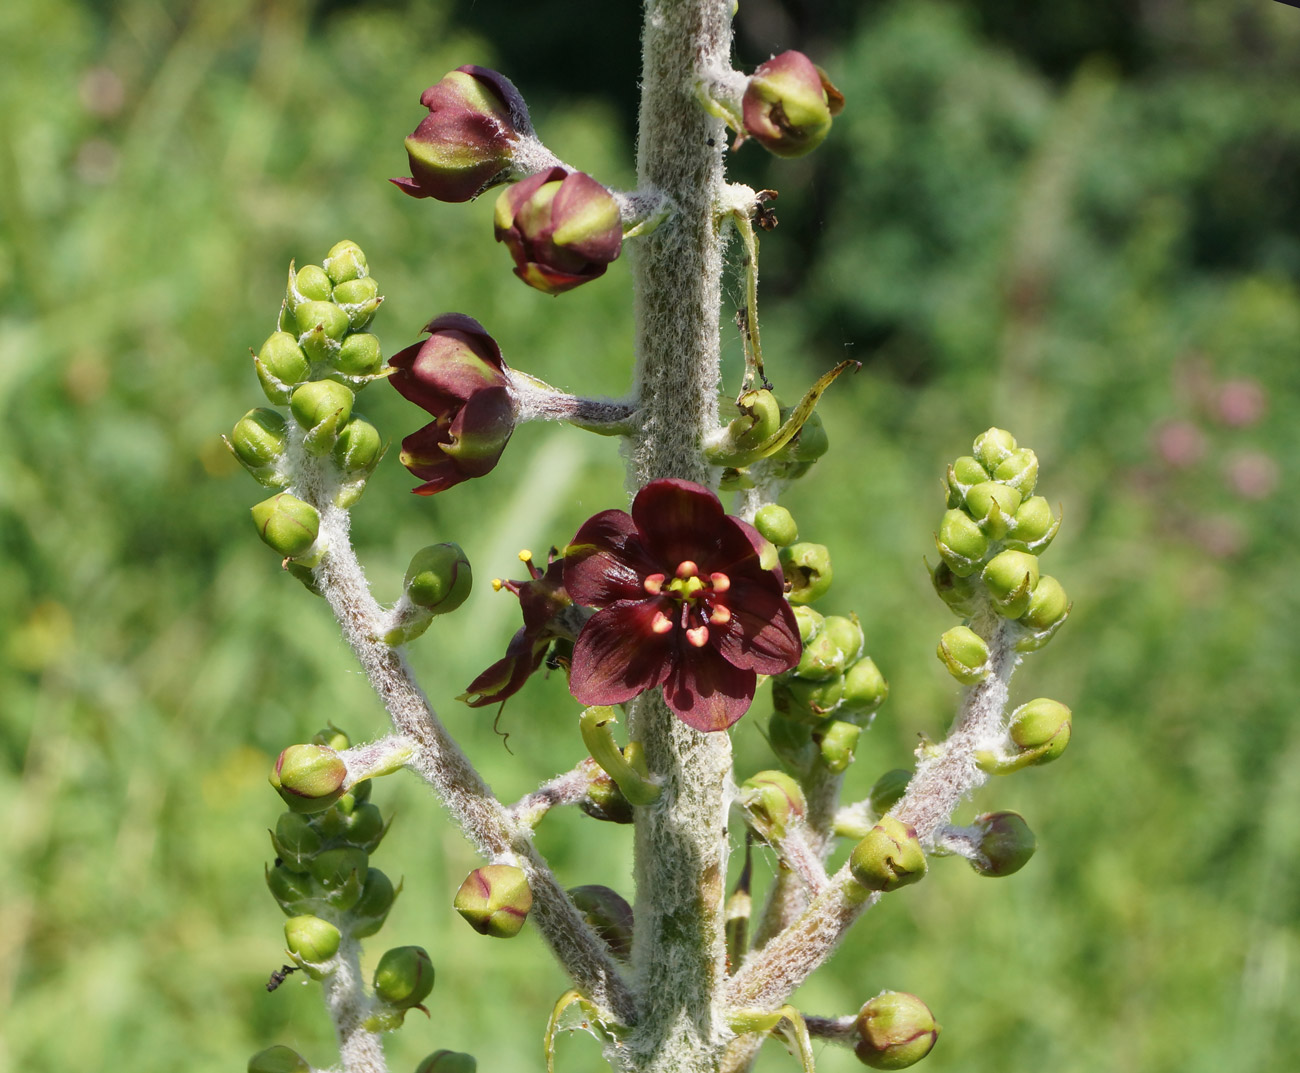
(459, 376)
(685, 603)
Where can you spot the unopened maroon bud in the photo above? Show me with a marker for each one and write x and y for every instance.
(562, 228)
(494, 900)
(404, 977)
(309, 777)
(1005, 846)
(609, 915)
(466, 143)
(895, 1030)
(458, 376)
(278, 1059)
(448, 1062)
(789, 103)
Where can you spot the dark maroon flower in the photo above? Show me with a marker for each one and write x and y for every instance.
(459, 376)
(685, 602)
(543, 601)
(467, 141)
(562, 228)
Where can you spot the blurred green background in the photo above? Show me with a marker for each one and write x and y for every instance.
(1076, 220)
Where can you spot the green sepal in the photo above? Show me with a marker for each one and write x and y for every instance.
(773, 802)
(294, 892)
(281, 365)
(594, 725)
(358, 298)
(278, 1059)
(837, 739)
(404, 977)
(322, 408)
(1009, 578)
(341, 873)
(258, 441)
(965, 654)
(345, 261)
(1033, 527)
(865, 690)
(295, 841)
(378, 894)
(961, 543)
(1048, 606)
(992, 506)
(888, 790)
(993, 447)
(359, 358)
(312, 944)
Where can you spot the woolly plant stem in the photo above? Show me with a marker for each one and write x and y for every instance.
(679, 956)
(360, 1050)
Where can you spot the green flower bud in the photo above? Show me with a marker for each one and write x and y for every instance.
(838, 739)
(404, 977)
(788, 104)
(1032, 526)
(609, 915)
(1041, 729)
(963, 474)
(889, 857)
(822, 659)
(332, 737)
(311, 284)
(776, 524)
(367, 916)
(341, 873)
(1005, 846)
(810, 622)
(311, 939)
(992, 506)
(448, 1062)
(604, 800)
(760, 417)
(774, 801)
(895, 1030)
(494, 900)
(278, 1059)
(1048, 605)
(287, 524)
(439, 578)
(364, 827)
(280, 365)
(295, 841)
(321, 327)
(294, 893)
(959, 593)
(994, 447)
(965, 654)
(961, 543)
(865, 690)
(807, 569)
(321, 408)
(791, 741)
(345, 261)
(806, 700)
(359, 355)
(1010, 577)
(257, 440)
(358, 298)
(358, 448)
(846, 633)
(309, 777)
(888, 790)
(1020, 470)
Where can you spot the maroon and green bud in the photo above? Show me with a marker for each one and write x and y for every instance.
(466, 144)
(1010, 577)
(965, 653)
(448, 1062)
(404, 977)
(278, 1059)
(895, 1030)
(322, 408)
(1048, 605)
(776, 524)
(562, 229)
(1019, 470)
(281, 364)
(774, 801)
(1033, 526)
(494, 900)
(341, 874)
(367, 916)
(439, 578)
(788, 105)
(889, 857)
(961, 543)
(358, 298)
(258, 441)
(311, 941)
(309, 778)
(959, 593)
(609, 915)
(865, 690)
(791, 740)
(807, 569)
(992, 505)
(345, 262)
(293, 891)
(295, 841)
(1005, 844)
(993, 447)
(888, 790)
(287, 524)
(837, 739)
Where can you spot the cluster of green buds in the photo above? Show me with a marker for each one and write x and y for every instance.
(989, 542)
(834, 691)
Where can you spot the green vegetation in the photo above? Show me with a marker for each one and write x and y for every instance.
(1083, 231)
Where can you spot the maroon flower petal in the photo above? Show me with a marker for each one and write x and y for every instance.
(706, 692)
(763, 634)
(576, 197)
(607, 562)
(507, 675)
(742, 551)
(679, 520)
(617, 655)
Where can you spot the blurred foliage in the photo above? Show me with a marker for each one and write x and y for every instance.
(1080, 224)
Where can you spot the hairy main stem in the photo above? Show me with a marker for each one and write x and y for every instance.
(345, 997)
(681, 844)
